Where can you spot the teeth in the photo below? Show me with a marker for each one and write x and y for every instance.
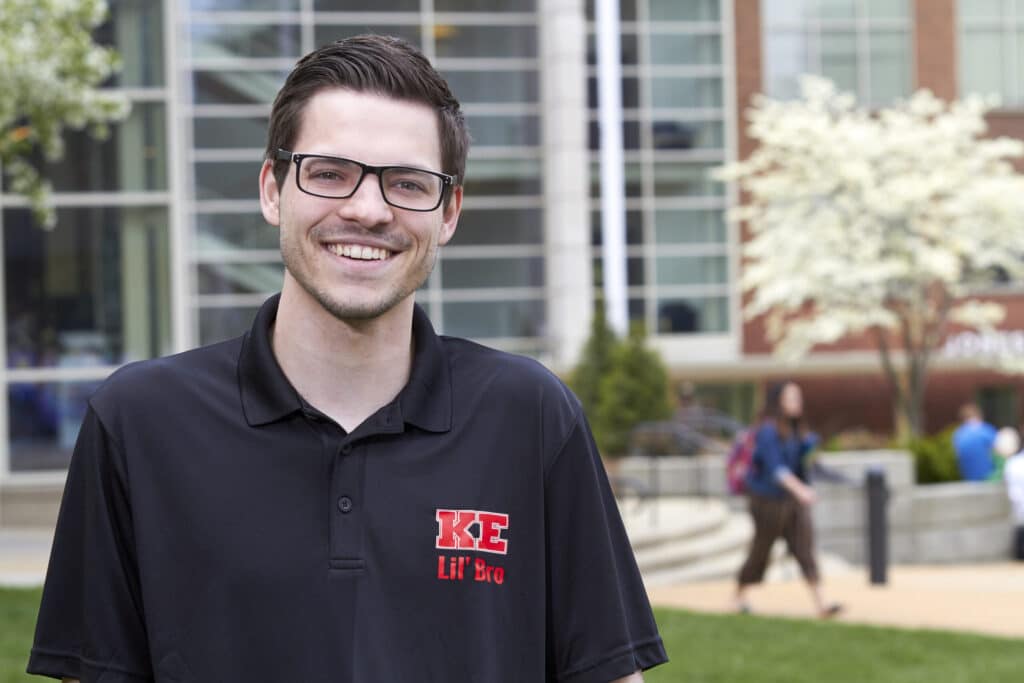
(359, 252)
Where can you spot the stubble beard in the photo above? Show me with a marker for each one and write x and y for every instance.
(350, 310)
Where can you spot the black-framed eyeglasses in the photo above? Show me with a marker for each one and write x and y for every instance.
(414, 189)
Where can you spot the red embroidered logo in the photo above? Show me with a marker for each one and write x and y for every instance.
(471, 530)
(476, 530)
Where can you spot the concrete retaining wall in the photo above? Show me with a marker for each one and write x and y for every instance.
(956, 522)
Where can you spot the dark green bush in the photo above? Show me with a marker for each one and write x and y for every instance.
(934, 457)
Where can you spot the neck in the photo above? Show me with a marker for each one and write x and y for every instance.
(347, 369)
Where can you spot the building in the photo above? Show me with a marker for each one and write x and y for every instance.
(160, 245)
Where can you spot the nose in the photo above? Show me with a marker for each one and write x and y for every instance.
(366, 206)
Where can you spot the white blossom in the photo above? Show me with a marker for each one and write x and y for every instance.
(883, 222)
(50, 70)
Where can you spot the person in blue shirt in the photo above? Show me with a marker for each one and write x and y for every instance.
(973, 441)
(780, 497)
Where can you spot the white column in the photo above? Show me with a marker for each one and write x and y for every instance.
(562, 32)
(613, 211)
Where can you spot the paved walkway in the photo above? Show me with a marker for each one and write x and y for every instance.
(986, 598)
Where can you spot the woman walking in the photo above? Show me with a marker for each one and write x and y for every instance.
(779, 496)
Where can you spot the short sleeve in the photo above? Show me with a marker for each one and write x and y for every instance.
(91, 624)
(600, 624)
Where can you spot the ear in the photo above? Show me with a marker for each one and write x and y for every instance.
(270, 194)
(450, 215)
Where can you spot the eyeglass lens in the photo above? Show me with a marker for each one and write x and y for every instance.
(403, 187)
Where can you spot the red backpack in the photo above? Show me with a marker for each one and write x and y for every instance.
(741, 457)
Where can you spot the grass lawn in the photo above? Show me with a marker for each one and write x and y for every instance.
(726, 649)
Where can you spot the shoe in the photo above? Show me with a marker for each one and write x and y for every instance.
(831, 610)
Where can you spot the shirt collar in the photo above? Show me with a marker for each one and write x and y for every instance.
(267, 395)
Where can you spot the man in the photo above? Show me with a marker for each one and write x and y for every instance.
(973, 441)
(341, 495)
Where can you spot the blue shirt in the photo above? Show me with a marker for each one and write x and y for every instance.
(973, 442)
(774, 457)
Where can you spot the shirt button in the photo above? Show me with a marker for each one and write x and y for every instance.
(346, 449)
(345, 504)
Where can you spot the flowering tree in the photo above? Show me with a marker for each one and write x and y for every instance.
(880, 223)
(49, 72)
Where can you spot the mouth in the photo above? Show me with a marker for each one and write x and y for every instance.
(359, 252)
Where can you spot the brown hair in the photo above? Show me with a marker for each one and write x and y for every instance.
(772, 412)
(383, 65)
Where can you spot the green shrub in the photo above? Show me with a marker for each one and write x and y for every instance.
(934, 457)
(635, 390)
(595, 362)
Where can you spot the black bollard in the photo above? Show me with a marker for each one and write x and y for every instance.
(878, 525)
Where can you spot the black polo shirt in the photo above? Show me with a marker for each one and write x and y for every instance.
(217, 528)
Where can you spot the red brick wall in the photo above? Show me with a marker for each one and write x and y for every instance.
(935, 47)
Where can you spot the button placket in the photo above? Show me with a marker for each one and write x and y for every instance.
(346, 541)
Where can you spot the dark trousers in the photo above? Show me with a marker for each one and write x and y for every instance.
(776, 518)
(1018, 547)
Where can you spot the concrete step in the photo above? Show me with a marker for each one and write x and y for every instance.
(656, 522)
(731, 536)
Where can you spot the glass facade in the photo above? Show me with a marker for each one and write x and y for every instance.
(490, 283)
(95, 291)
(864, 46)
(674, 79)
(991, 49)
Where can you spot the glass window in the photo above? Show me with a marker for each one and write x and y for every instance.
(634, 228)
(457, 273)
(668, 134)
(485, 6)
(630, 135)
(837, 9)
(890, 70)
(689, 226)
(887, 9)
(691, 270)
(839, 59)
(633, 177)
(136, 30)
(98, 281)
(979, 9)
(485, 41)
(981, 54)
(240, 278)
(218, 324)
(44, 420)
(237, 87)
(680, 315)
(786, 57)
(132, 158)
(492, 177)
(500, 226)
(680, 179)
(329, 33)
(241, 5)
(630, 92)
(627, 10)
(482, 319)
(504, 131)
(690, 10)
(629, 49)
(227, 179)
(493, 86)
(225, 133)
(222, 231)
(700, 92)
(219, 41)
(685, 49)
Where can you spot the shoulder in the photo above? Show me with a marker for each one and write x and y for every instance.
(159, 381)
(484, 376)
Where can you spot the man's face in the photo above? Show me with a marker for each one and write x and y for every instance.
(359, 257)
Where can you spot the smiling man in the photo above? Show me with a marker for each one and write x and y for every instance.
(340, 494)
